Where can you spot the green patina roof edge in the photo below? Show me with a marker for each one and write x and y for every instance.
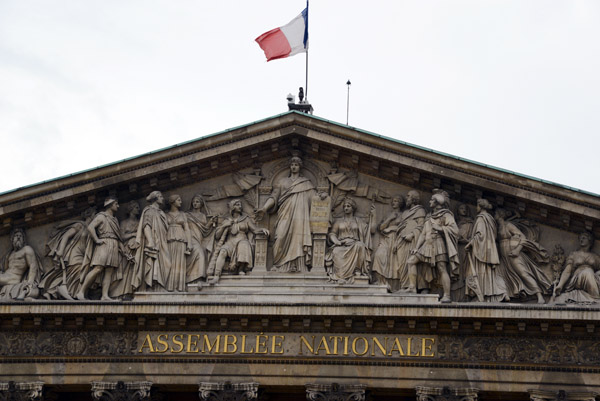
(320, 119)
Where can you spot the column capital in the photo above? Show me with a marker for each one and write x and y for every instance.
(12, 391)
(227, 391)
(446, 394)
(121, 391)
(335, 392)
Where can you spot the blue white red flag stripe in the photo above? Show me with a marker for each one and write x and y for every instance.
(287, 40)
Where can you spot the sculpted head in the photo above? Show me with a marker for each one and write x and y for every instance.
(295, 164)
(439, 198)
(483, 204)
(235, 205)
(586, 240)
(133, 208)
(197, 202)
(413, 198)
(111, 203)
(156, 196)
(175, 200)
(349, 205)
(398, 202)
(88, 213)
(463, 210)
(17, 238)
(501, 214)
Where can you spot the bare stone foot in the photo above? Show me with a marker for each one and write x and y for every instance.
(106, 298)
(212, 280)
(409, 290)
(445, 299)
(80, 296)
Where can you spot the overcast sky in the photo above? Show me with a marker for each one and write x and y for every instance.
(510, 83)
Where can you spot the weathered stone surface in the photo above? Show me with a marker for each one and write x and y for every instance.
(298, 285)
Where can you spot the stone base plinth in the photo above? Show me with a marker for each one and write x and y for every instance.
(286, 288)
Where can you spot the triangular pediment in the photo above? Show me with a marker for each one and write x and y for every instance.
(339, 146)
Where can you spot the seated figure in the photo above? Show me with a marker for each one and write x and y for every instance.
(350, 252)
(580, 280)
(20, 270)
(234, 244)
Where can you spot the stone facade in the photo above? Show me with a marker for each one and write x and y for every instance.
(295, 257)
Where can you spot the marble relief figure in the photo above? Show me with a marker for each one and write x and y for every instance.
(483, 276)
(384, 260)
(103, 256)
(202, 229)
(21, 270)
(520, 259)
(290, 199)
(123, 286)
(486, 259)
(179, 244)
(66, 247)
(436, 251)
(350, 252)
(152, 258)
(464, 221)
(406, 238)
(580, 279)
(234, 247)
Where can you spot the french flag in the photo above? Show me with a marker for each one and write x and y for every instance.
(287, 40)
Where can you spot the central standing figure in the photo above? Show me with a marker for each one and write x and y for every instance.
(292, 249)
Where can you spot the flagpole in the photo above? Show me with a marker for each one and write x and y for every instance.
(306, 91)
(306, 69)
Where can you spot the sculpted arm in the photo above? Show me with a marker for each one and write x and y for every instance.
(92, 230)
(477, 235)
(420, 241)
(515, 233)
(256, 230)
(188, 233)
(372, 219)
(64, 241)
(271, 201)
(333, 234)
(565, 275)
(221, 229)
(149, 238)
(32, 263)
(127, 235)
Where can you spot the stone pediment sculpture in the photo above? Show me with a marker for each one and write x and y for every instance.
(296, 198)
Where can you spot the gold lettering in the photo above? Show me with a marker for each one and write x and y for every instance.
(381, 347)
(335, 343)
(214, 345)
(177, 338)
(324, 345)
(244, 346)
(346, 345)
(195, 343)
(310, 347)
(227, 344)
(409, 347)
(275, 344)
(147, 344)
(365, 346)
(162, 342)
(396, 347)
(261, 341)
(427, 347)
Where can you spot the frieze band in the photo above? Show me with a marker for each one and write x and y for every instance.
(469, 349)
(302, 218)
